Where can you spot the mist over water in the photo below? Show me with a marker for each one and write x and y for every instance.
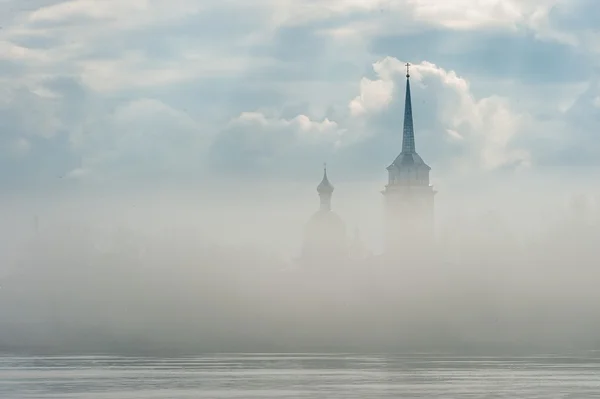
(192, 271)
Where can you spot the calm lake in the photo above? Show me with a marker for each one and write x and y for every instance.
(300, 376)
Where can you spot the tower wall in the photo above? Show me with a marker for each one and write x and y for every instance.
(409, 197)
(409, 218)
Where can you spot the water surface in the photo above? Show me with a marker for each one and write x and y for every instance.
(300, 376)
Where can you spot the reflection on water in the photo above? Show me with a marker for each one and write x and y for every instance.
(299, 376)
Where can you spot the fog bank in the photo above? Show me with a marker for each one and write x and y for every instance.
(185, 273)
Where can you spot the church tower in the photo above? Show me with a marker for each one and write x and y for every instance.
(409, 198)
(325, 190)
(325, 234)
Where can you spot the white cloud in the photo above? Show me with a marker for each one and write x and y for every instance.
(132, 56)
(457, 14)
(146, 108)
(454, 135)
(262, 145)
(468, 14)
(540, 22)
(77, 29)
(374, 95)
(301, 127)
(135, 71)
(487, 126)
(87, 8)
(404, 16)
(484, 129)
(116, 14)
(144, 134)
(11, 51)
(493, 125)
(571, 22)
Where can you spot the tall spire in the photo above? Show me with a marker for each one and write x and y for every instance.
(408, 134)
(325, 190)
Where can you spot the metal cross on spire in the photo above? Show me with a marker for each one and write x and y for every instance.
(408, 135)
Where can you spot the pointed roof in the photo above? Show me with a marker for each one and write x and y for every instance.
(409, 155)
(408, 158)
(325, 187)
(408, 133)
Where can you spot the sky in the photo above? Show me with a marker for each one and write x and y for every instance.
(233, 107)
(142, 91)
(214, 98)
